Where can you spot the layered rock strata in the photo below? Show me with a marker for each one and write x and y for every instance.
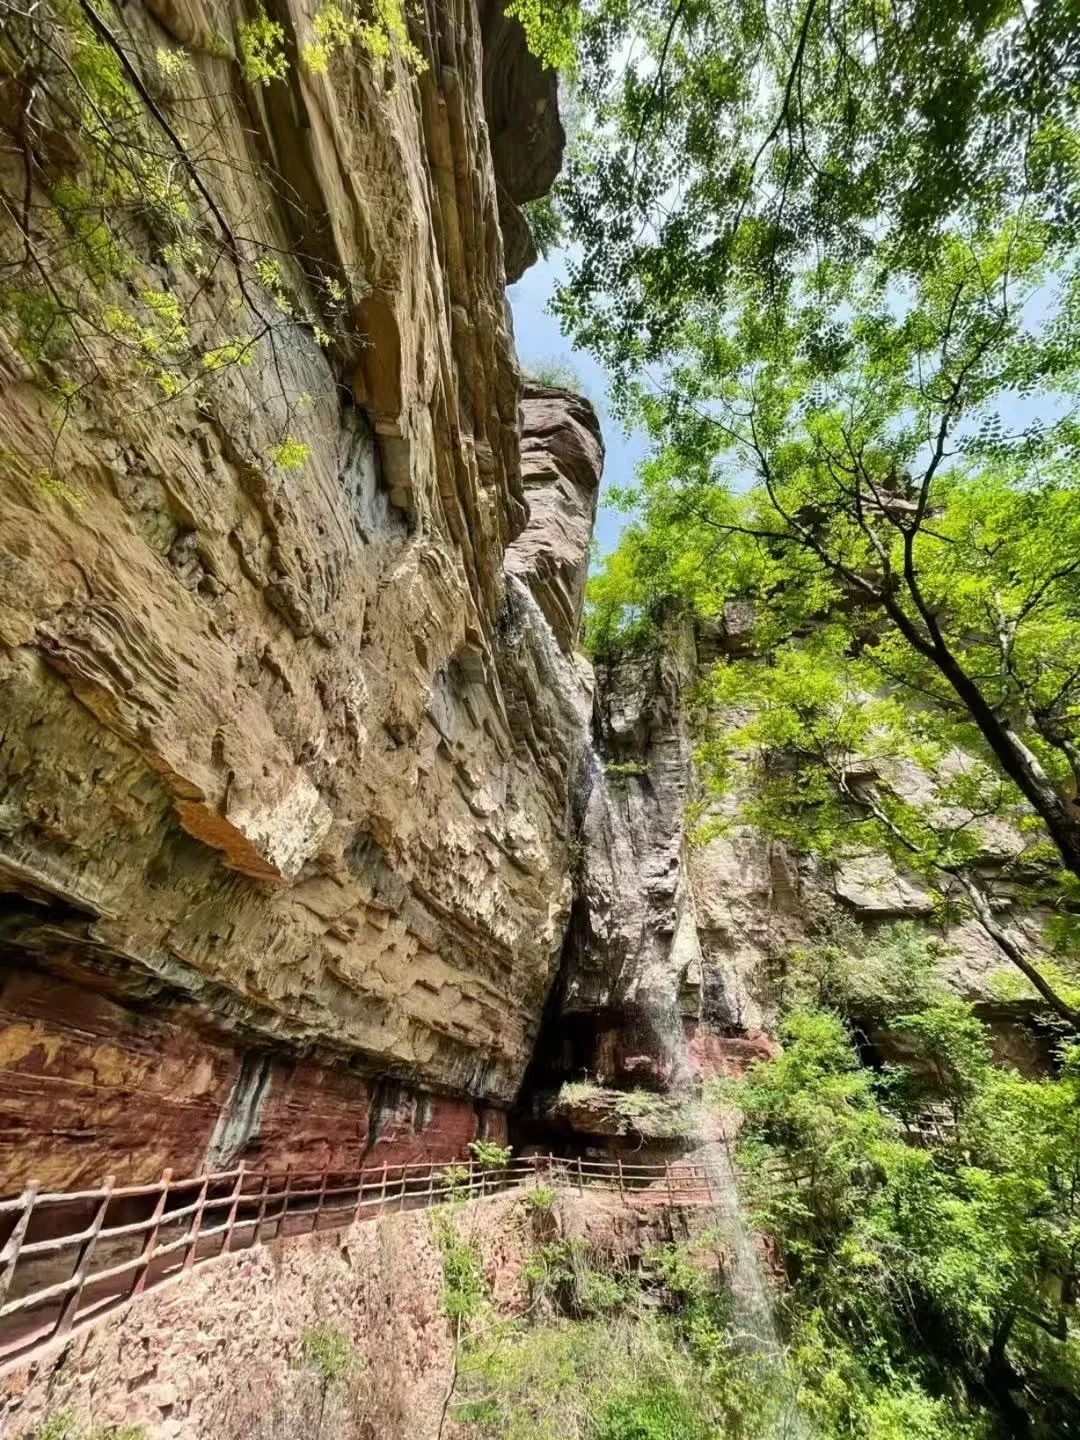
(284, 772)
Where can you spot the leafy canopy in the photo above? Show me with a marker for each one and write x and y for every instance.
(731, 141)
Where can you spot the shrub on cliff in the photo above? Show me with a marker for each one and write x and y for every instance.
(938, 1281)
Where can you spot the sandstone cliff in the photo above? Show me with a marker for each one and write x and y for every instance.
(284, 768)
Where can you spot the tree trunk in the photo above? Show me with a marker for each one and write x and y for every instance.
(1058, 813)
(987, 919)
(979, 902)
(1001, 1380)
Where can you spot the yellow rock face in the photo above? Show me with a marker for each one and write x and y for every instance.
(268, 746)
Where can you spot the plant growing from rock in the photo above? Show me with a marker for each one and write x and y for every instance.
(492, 1158)
(540, 1200)
(66, 1425)
(117, 252)
(330, 1354)
(454, 1181)
(489, 1155)
(577, 1092)
(659, 1115)
(465, 1291)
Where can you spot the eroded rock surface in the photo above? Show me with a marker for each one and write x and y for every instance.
(632, 963)
(688, 923)
(561, 459)
(521, 102)
(278, 753)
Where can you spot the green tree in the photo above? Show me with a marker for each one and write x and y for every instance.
(732, 139)
(863, 473)
(908, 1267)
(832, 766)
(827, 252)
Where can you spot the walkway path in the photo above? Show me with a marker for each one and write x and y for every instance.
(70, 1258)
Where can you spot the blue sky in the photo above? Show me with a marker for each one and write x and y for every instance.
(539, 338)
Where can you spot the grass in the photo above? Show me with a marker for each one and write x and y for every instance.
(573, 1379)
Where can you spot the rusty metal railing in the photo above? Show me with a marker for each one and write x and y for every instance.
(143, 1235)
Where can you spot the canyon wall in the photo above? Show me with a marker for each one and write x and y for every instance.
(686, 935)
(285, 740)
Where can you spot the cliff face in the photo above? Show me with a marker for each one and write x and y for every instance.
(680, 950)
(285, 771)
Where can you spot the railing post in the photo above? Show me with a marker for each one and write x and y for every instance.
(196, 1224)
(70, 1307)
(382, 1192)
(322, 1196)
(9, 1256)
(580, 1177)
(150, 1244)
(231, 1222)
(256, 1234)
(670, 1191)
(286, 1196)
(622, 1191)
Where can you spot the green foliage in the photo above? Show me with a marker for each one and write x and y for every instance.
(738, 144)
(454, 1179)
(915, 1271)
(262, 49)
(490, 1155)
(554, 372)
(234, 352)
(338, 27)
(330, 1352)
(880, 976)
(66, 1425)
(546, 228)
(645, 1111)
(540, 1200)
(657, 1115)
(828, 278)
(172, 63)
(626, 597)
(575, 1091)
(551, 30)
(51, 485)
(620, 769)
(830, 730)
(565, 1276)
(106, 287)
(565, 1379)
(290, 453)
(465, 1291)
(606, 1350)
(653, 1412)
